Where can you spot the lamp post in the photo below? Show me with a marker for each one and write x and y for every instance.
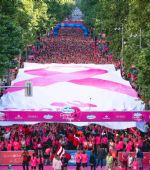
(140, 37)
(122, 42)
(28, 88)
(122, 39)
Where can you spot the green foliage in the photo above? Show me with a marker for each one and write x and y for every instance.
(22, 20)
(124, 19)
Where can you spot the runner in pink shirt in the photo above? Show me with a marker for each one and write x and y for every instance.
(121, 144)
(9, 146)
(16, 145)
(104, 141)
(85, 144)
(78, 157)
(98, 139)
(33, 161)
(47, 155)
(84, 159)
(135, 165)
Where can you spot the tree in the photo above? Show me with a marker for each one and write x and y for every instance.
(126, 20)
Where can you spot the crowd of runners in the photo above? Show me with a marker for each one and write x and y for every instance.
(44, 138)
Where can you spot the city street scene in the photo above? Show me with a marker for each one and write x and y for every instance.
(74, 85)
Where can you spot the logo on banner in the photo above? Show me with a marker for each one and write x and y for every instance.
(120, 116)
(2, 116)
(48, 116)
(68, 110)
(32, 116)
(91, 117)
(18, 117)
(106, 117)
(138, 116)
(70, 113)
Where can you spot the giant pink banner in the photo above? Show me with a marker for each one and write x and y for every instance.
(73, 114)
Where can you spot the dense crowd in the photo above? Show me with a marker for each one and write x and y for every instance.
(70, 47)
(43, 138)
(18, 137)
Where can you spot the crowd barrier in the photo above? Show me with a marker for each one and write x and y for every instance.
(15, 157)
(12, 157)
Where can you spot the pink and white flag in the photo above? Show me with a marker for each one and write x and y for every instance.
(89, 87)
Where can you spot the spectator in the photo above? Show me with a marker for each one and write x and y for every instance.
(57, 164)
(93, 160)
(84, 159)
(25, 160)
(78, 157)
(109, 161)
(40, 161)
(101, 155)
(130, 161)
(139, 156)
(33, 161)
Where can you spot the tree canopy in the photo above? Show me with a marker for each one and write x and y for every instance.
(127, 25)
(22, 20)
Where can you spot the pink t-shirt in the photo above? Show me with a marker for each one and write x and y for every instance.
(33, 161)
(117, 147)
(9, 146)
(98, 139)
(84, 158)
(47, 151)
(16, 145)
(140, 143)
(104, 140)
(128, 147)
(78, 158)
(121, 143)
(135, 165)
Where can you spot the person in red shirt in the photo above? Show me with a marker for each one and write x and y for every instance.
(9, 146)
(76, 141)
(125, 160)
